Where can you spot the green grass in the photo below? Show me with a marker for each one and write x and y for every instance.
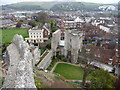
(69, 71)
(54, 61)
(7, 34)
(42, 50)
(44, 55)
(1, 81)
(41, 58)
(0, 35)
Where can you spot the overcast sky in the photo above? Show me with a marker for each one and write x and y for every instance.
(2, 2)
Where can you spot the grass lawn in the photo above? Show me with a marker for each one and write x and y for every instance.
(54, 61)
(7, 34)
(69, 71)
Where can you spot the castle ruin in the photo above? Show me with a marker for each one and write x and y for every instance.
(71, 46)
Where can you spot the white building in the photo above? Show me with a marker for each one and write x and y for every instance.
(71, 24)
(106, 29)
(38, 35)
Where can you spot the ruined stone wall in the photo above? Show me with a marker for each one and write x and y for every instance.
(36, 56)
(20, 71)
(56, 36)
(117, 69)
(44, 64)
(73, 44)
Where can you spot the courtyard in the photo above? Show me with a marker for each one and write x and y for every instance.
(69, 72)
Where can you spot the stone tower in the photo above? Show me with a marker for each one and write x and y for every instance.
(73, 44)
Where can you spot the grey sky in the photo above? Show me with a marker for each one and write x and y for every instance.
(94, 1)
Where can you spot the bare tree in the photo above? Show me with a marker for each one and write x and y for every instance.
(85, 59)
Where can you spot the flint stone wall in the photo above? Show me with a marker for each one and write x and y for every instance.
(73, 44)
(44, 64)
(56, 36)
(117, 69)
(20, 71)
(36, 56)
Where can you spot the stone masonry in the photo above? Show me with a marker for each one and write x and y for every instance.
(56, 36)
(73, 44)
(20, 71)
(44, 64)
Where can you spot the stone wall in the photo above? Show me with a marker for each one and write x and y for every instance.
(73, 44)
(20, 71)
(56, 36)
(117, 69)
(36, 54)
(44, 64)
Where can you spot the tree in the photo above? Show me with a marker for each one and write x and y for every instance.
(53, 26)
(42, 17)
(102, 79)
(48, 46)
(18, 24)
(117, 83)
(31, 23)
(85, 58)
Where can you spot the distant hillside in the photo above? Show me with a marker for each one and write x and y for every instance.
(30, 5)
(23, 6)
(54, 6)
(74, 6)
